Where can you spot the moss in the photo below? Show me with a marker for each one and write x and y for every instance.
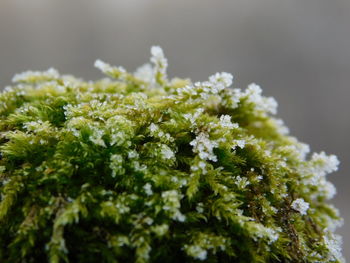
(139, 168)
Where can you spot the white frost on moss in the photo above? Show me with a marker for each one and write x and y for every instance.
(192, 117)
(241, 182)
(200, 207)
(204, 147)
(103, 66)
(239, 143)
(334, 244)
(160, 63)
(144, 73)
(225, 121)
(199, 166)
(35, 76)
(261, 231)
(148, 189)
(300, 205)
(328, 189)
(297, 150)
(220, 81)
(171, 199)
(160, 230)
(132, 154)
(266, 104)
(324, 164)
(116, 164)
(196, 252)
(166, 152)
(115, 72)
(156, 132)
(106, 68)
(96, 136)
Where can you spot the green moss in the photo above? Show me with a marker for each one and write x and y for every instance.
(139, 168)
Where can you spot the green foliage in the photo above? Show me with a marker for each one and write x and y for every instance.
(139, 168)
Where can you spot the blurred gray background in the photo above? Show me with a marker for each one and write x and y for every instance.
(297, 50)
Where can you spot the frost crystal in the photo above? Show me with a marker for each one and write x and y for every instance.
(253, 94)
(199, 208)
(116, 164)
(197, 252)
(324, 164)
(116, 72)
(220, 81)
(239, 143)
(160, 64)
(171, 200)
(300, 205)
(334, 244)
(148, 189)
(145, 73)
(103, 66)
(36, 76)
(167, 152)
(96, 136)
(225, 121)
(281, 127)
(204, 147)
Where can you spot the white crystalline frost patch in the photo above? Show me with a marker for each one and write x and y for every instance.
(241, 182)
(272, 234)
(192, 117)
(166, 152)
(159, 60)
(106, 68)
(96, 136)
(155, 131)
(280, 126)
(200, 208)
(171, 201)
(226, 79)
(153, 128)
(196, 252)
(116, 164)
(145, 73)
(265, 232)
(51, 73)
(204, 147)
(225, 121)
(148, 189)
(157, 54)
(334, 245)
(220, 81)
(239, 143)
(253, 94)
(329, 189)
(324, 164)
(300, 205)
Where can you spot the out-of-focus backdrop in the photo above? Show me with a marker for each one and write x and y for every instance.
(297, 50)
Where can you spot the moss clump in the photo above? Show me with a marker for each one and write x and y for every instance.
(146, 169)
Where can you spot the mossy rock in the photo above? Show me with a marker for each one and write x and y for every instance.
(139, 168)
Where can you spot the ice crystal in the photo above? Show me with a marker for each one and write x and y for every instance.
(148, 189)
(196, 252)
(253, 94)
(36, 76)
(204, 147)
(334, 243)
(145, 73)
(225, 121)
(300, 205)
